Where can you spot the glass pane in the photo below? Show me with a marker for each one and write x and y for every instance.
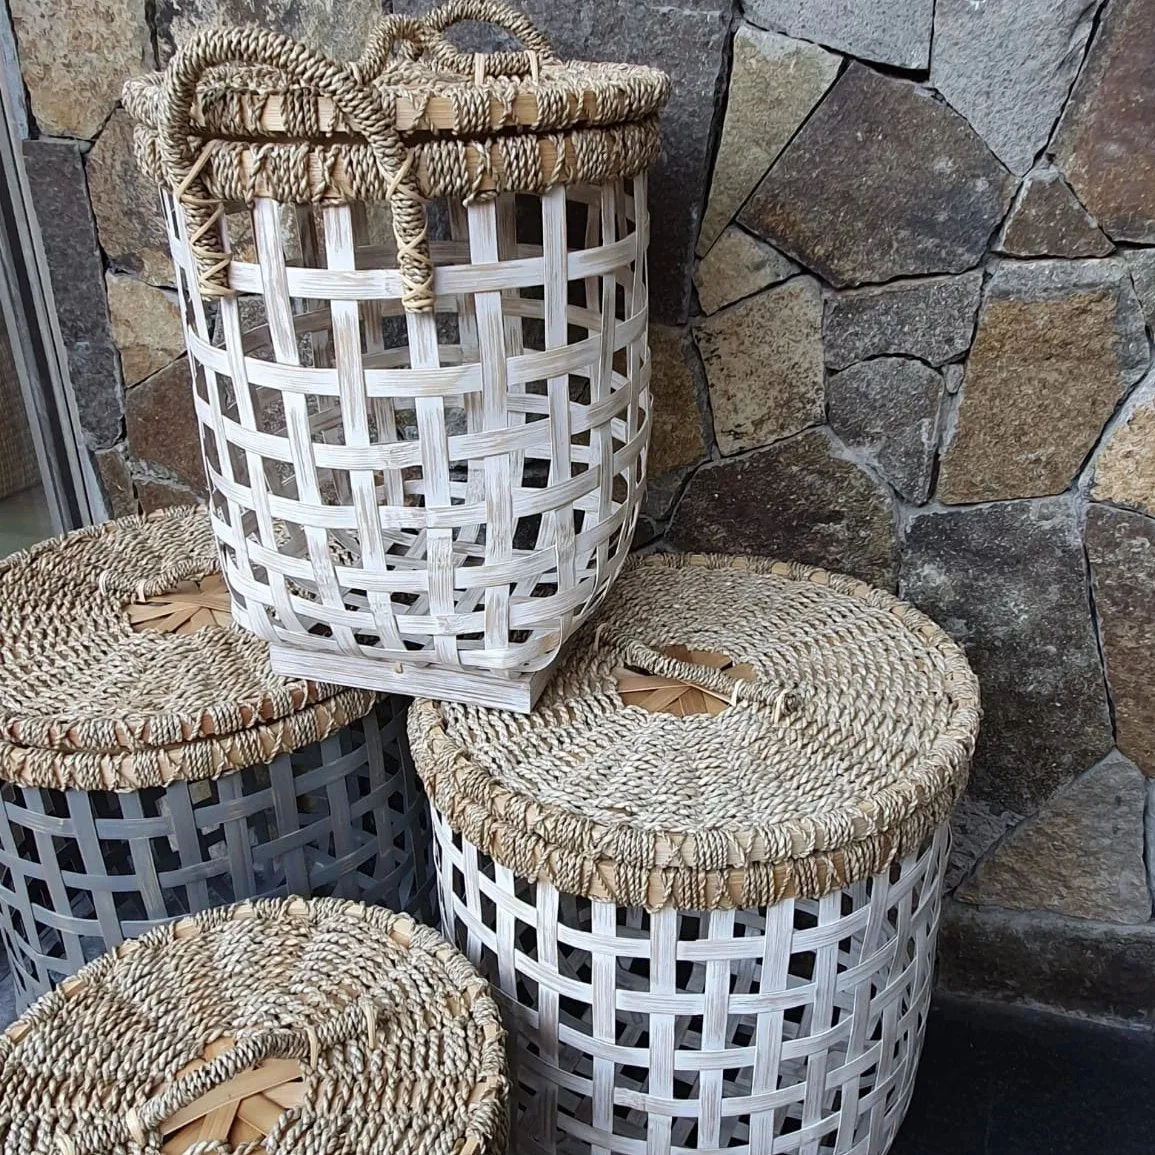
(24, 514)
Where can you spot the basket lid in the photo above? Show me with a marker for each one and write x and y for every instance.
(120, 667)
(299, 1024)
(243, 112)
(731, 732)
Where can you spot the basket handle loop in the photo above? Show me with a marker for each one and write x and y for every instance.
(781, 699)
(142, 1123)
(361, 106)
(527, 62)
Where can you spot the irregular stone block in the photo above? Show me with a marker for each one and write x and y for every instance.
(162, 426)
(738, 265)
(145, 325)
(1009, 583)
(1125, 466)
(1081, 855)
(1105, 143)
(676, 436)
(155, 494)
(339, 28)
(1022, 429)
(76, 57)
(127, 206)
(60, 201)
(1007, 66)
(798, 500)
(1047, 221)
(116, 481)
(894, 32)
(882, 181)
(1141, 262)
(1121, 549)
(1069, 963)
(975, 827)
(932, 320)
(889, 409)
(763, 362)
(774, 83)
(691, 43)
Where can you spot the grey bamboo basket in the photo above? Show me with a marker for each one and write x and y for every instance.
(280, 1027)
(152, 766)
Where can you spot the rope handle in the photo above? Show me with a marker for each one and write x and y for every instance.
(342, 83)
(640, 655)
(144, 1123)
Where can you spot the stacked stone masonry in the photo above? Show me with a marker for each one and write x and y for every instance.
(903, 287)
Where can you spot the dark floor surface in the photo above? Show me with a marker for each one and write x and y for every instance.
(998, 1080)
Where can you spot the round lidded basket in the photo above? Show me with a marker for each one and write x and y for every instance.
(416, 311)
(152, 765)
(276, 1026)
(705, 875)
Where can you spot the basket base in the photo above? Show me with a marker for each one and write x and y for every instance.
(517, 692)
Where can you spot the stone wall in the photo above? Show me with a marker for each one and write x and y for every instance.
(903, 275)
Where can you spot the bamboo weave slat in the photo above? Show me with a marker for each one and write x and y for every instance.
(846, 749)
(396, 1037)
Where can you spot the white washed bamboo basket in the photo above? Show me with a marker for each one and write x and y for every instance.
(416, 307)
(705, 876)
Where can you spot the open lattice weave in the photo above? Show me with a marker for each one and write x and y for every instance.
(847, 748)
(88, 702)
(317, 1028)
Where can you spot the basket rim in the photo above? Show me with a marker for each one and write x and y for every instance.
(804, 858)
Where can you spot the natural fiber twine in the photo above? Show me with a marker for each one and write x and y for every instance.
(400, 1042)
(89, 703)
(849, 746)
(242, 112)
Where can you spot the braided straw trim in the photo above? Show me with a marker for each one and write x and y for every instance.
(401, 1042)
(369, 100)
(78, 685)
(632, 863)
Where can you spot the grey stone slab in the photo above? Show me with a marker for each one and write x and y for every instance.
(1081, 855)
(1007, 66)
(1090, 968)
(1141, 262)
(894, 32)
(1008, 582)
(931, 319)
(1123, 470)
(1105, 143)
(1047, 221)
(889, 409)
(691, 44)
(799, 499)
(882, 181)
(60, 201)
(737, 266)
(975, 827)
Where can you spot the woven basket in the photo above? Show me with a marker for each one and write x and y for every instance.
(152, 765)
(705, 875)
(416, 312)
(311, 1028)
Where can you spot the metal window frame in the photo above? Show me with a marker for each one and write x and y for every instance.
(71, 487)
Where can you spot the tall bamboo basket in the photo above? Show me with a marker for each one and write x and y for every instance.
(153, 766)
(416, 305)
(280, 1027)
(705, 875)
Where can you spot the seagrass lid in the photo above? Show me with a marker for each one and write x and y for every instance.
(313, 1028)
(242, 112)
(731, 732)
(120, 667)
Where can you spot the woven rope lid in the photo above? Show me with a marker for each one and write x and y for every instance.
(90, 701)
(318, 1028)
(244, 112)
(845, 737)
